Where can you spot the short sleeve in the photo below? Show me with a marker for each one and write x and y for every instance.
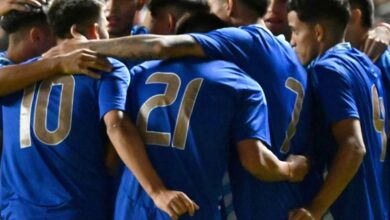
(335, 94)
(113, 88)
(251, 121)
(231, 44)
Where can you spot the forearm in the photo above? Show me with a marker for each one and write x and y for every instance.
(147, 47)
(344, 166)
(131, 150)
(263, 164)
(16, 77)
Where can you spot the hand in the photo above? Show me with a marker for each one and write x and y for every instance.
(174, 203)
(19, 5)
(82, 61)
(301, 214)
(299, 166)
(377, 42)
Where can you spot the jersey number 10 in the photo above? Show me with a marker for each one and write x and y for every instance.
(41, 131)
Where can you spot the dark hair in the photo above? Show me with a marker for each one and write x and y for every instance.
(259, 6)
(199, 22)
(183, 5)
(62, 14)
(313, 11)
(367, 8)
(14, 20)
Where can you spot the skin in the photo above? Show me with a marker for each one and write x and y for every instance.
(130, 148)
(120, 15)
(276, 18)
(303, 40)
(265, 165)
(310, 41)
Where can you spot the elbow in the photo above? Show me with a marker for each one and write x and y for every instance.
(160, 48)
(360, 151)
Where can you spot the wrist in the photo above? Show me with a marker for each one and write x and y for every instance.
(155, 192)
(316, 210)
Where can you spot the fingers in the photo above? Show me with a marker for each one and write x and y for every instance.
(178, 206)
(191, 206)
(96, 62)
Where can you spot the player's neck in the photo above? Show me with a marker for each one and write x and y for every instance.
(19, 51)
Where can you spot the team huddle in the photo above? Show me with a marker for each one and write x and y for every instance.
(219, 113)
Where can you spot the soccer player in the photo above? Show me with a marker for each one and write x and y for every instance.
(351, 122)
(190, 112)
(268, 60)
(53, 163)
(361, 21)
(276, 18)
(120, 16)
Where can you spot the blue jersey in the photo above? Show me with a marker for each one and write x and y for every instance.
(273, 63)
(190, 113)
(383, 63)
(4, 61)
(54, 146)
(348, 86)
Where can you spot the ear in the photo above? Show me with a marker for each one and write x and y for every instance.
(230, 4)
(356, 16)
(319, 32)
(92, 32)
(35, 34)
(172, 21)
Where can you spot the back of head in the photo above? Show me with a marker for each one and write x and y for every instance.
(332, 12)
(199, 22)
(259, 6)
(62, 14)
(15, 21)
(367, 9)
(183, 6)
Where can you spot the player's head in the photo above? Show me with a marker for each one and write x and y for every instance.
(276, 17)
(166, 13)
(239, 12)
(316, 26)
(361, 20)
(199, 22)
(28, 30)
(120, 15)
(87, 16)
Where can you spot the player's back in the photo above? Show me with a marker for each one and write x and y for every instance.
(53, 162)
(274, 65)
(365, 196)
(190, 113)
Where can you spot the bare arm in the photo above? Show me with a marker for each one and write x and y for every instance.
(16, 77)
(345, 164)
(127, 142)
(143, 47)
(258, 160)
